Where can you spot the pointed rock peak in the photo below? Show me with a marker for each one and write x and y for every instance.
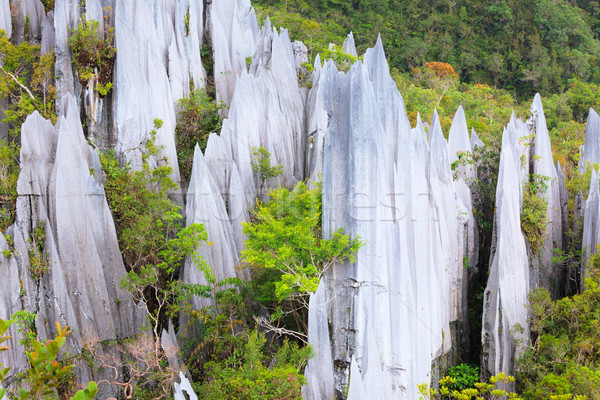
(267, 26)
(459, 133)
(435, 132)
(475, 141)
(349, 45)
(317, 63)
(375, 56)
(536, 105)
(435, 119)
(419, 122)
(593, 125)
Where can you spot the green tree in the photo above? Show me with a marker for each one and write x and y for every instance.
(286, 252)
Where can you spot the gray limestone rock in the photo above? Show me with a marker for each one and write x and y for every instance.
(475, 141)
(184, 390)
(382, 181)
(591, 149)
(234, 33)
(23, 11)
(505, 297)
(590, 207)
(319, 369)
(349, 46)
(543, 164)
(61, 184)
(591, 227)
(153, 71)
(5, 20)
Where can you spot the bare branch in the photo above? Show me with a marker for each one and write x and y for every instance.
(262, 321)
(14, 78)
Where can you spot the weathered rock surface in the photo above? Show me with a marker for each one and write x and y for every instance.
(267, 109)
(591, 148)
(382, 181)
(590, 207)
(235, 35)
(157, 59)
(514, 269)
(505, 297)
(544, 273)
(5, 21)
(61, 185)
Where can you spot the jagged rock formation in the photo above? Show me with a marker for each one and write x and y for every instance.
(515, 269)
(505, 296)
(267, 109)
(60, 185)
(591, 207)
(384, 182)
(591, 148)
(543, 272)
(153, 71)
(235, 36)
(377, 325)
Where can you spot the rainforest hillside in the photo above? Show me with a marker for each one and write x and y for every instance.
(522, 46)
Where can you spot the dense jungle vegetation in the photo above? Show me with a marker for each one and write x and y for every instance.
(251, 342)
(522, 46)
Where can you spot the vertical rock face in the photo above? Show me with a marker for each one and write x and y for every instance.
(389, 314)
(591, 148)
(514, 269)
(590, 211)
(544, 274)
(267, 110)
(235, 36)
(158, 56)
(5, 22)
(505, 297)
(60, 186)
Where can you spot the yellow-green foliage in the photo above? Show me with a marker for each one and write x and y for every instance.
(26, 79)
(534, 215)
(497, 388)
(245, 375)
(564, 360)
(93, 54)
(9, 173)
(38, 257)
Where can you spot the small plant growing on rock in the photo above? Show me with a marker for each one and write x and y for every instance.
(198, 118)
(94, 55)
(534, 216)
(261, 165)
(38, 257)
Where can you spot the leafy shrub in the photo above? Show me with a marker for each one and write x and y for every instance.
(26, 80)
(94, 55)
(48, 5)
(534, 216)
(464, 376)
(261, 165)
(38, 257)
(286, 252)
(198, 118)
(244, 376)
(497, 388)
(45, 372)
(564, 359)
(150, 230)
(4, 325)
(9, 174)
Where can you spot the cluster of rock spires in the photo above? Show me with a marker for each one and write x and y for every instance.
(377, 325)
